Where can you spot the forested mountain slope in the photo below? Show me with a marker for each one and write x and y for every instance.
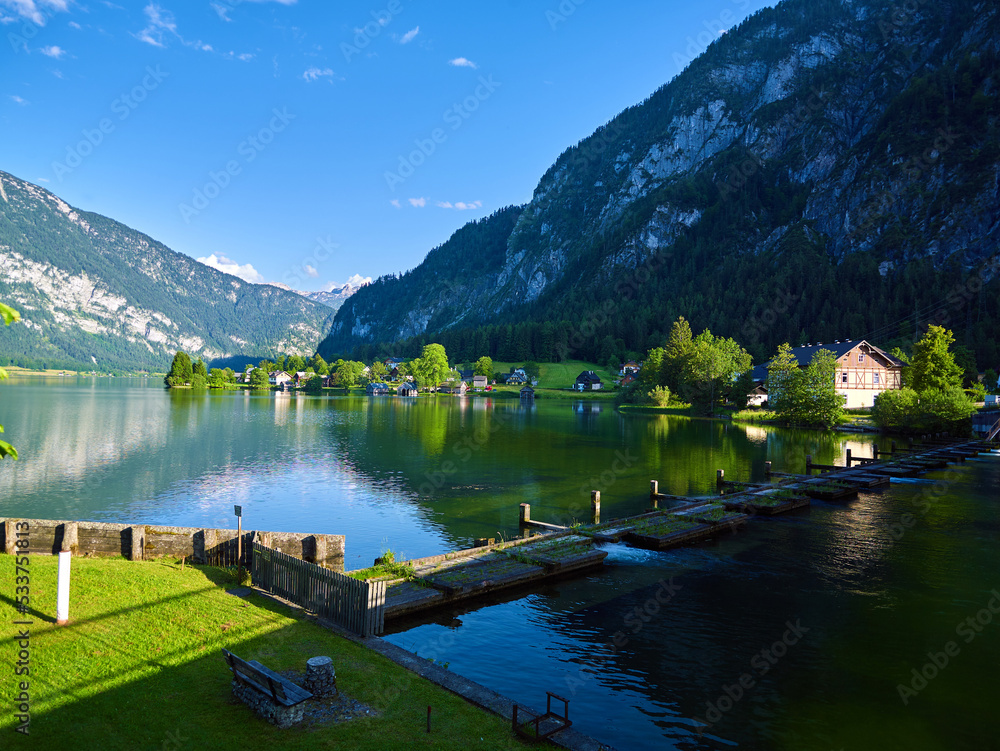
(94, 292)
(830, 169)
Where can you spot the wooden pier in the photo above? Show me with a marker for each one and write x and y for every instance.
(555, 551)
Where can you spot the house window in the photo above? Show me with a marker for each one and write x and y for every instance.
(861, 356)
(843, 378)
(877, 377)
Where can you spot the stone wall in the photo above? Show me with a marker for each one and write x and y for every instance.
(143, 541)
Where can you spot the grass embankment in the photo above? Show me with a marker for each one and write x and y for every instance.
(685, 410)
(139, 666)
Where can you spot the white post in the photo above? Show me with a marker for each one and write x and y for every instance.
(62, 588)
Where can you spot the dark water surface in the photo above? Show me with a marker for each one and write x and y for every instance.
(821, 614)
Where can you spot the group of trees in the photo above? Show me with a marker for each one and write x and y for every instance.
(183, 372)
(703, 370)
(804, 396)
(9, 315)
(707, 370)
(932, 398)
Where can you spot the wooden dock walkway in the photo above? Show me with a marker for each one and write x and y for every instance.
(440, 581)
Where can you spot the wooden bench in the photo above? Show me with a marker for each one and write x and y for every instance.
(274, 698)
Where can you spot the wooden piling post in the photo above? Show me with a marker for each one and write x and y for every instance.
(767, 469)
(654, 488)
(595, 506)
(720, 477)
(893, 445)
(809, 463)
(875, 450)
(525, 513)
(849, 458)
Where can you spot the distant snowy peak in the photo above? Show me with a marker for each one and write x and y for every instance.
(333, 297)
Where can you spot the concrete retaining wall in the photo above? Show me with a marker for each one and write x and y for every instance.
(141, 541)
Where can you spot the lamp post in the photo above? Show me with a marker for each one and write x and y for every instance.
(239, 544)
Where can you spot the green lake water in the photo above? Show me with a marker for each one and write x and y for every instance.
(854, 596)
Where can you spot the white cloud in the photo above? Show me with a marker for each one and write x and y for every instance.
(75, 25)
(460, 205)
(314, 74)
(312, 272)
(409, 36)
(462, 62)
(223, 9)
(161, 26)
(160, 22)
(18, 99)
(246, 272)
(417, 202)
(43, 179)
(53, 51)
(36, 11)
(395, 202)
(245, 57)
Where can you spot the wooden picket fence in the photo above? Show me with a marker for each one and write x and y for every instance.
(227, 553)
(356, 605)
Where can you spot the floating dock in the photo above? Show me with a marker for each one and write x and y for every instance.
(557, 551)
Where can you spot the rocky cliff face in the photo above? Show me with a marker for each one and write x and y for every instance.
(867, 130)
(92, 291)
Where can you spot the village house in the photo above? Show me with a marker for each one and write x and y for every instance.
(630, 367)
(516, 377)
(392, 363)
(863, 371)
(279, 378)
(588, 380)
(377, 388)
(479, 383)
(453, 387)
(527, 394)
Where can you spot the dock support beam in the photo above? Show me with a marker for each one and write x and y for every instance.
(525, 513)
(875, 451)
(595, 506)
(767, 469)
(809, 464)
(849, 460)
(654, 489)
(720, 477)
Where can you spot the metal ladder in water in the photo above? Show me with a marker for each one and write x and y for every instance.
(994, 431)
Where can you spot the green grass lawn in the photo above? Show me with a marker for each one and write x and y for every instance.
(560, 375)
(139, 666)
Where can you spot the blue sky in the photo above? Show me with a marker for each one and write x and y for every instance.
(310, 142)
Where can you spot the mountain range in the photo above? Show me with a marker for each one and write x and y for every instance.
(829, 169)
(95, 293)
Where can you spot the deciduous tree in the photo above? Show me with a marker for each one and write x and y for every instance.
(9, 315)
(484, 367)
(432, 366)
(933, 364)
